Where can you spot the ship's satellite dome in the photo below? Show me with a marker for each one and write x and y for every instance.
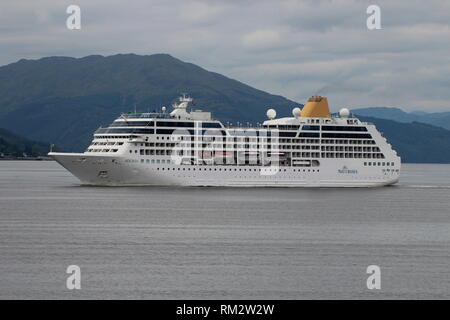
(344, 113)
(271, 114)
(296, 112)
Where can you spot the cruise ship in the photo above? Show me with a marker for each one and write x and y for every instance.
(187, 147)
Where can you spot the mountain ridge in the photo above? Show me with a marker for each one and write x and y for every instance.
(440, 119)
(63, 100)
(98, 89)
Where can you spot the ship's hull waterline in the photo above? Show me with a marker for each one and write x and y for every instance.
(112, 171)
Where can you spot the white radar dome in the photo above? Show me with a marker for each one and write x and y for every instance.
(271, 114)
(344, 113)
(296, 112)
(163, 109)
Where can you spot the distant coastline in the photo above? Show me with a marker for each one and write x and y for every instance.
(40, 158)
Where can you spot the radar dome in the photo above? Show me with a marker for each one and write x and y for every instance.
(271, 114)
(296, 112)
(344, 113)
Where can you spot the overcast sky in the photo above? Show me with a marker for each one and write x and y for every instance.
(292, 48)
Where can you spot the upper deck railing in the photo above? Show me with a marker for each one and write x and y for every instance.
(139, 115)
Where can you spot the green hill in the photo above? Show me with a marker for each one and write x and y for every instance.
(63, 100)
(16, 146)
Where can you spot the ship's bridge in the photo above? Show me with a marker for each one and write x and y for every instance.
(180, 110)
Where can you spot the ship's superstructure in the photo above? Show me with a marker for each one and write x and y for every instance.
(313, 148)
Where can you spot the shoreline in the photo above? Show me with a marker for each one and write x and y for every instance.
(27, 159)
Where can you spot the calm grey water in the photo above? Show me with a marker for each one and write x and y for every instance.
(224, 243)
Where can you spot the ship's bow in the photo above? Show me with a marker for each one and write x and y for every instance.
(89, 169)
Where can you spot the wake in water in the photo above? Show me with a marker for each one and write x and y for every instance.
(415, 186)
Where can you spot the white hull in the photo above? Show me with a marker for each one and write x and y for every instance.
(115, 171)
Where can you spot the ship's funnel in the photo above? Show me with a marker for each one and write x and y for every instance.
(316, 107)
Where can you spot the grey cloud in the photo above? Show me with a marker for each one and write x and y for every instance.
(293, 48)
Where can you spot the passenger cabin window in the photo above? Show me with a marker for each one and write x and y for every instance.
(308, 127)
(177, 124)
(211, 125)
